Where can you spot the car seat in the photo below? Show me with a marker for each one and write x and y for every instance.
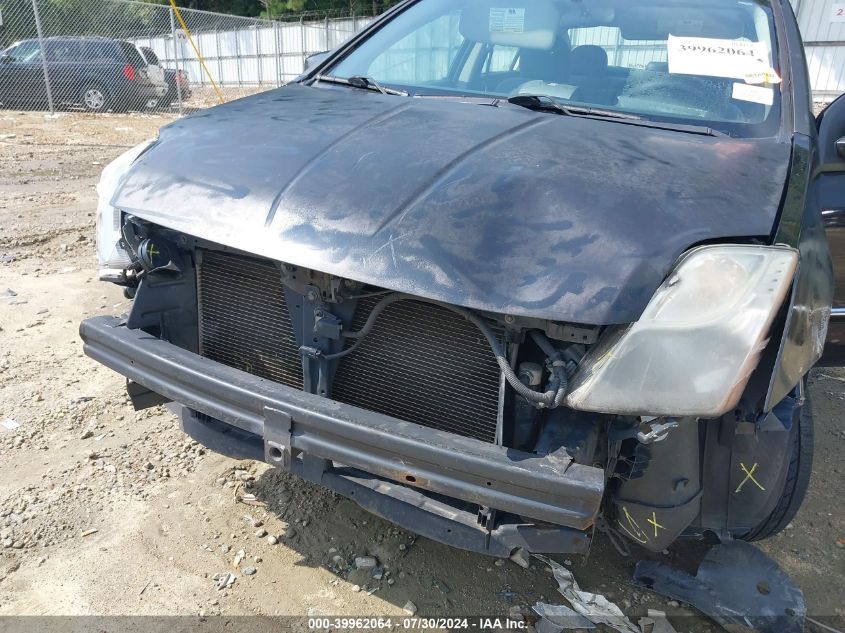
(551, 67)
(589, 73)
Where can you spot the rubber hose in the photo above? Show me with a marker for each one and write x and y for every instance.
(543, 343)
(557, 365)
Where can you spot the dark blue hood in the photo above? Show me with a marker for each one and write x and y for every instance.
(494, 208)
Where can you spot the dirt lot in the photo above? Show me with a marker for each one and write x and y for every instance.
(108, 511)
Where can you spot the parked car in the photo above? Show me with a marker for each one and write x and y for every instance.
(176, 81)
(155, 73)
(98, 74)
(502, 275)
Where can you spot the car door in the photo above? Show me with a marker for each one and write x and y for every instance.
(831, 188)
(63, 65)
(22, 75)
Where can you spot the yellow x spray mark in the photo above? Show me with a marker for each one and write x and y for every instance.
(635, 531)
(749, 476)
(653, 521)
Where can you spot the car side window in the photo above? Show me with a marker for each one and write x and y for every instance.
(151, 57)
(62, 51)
(99, 51)
(132, 55)
(77, 52)
(410, 60)
(25, 52)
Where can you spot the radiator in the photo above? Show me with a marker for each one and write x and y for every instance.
(421, 363)
(244, 320)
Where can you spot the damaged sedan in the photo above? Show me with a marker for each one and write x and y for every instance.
(504, 272)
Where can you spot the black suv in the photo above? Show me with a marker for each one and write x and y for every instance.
(97, 73)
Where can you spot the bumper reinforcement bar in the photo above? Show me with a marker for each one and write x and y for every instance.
(388, 466)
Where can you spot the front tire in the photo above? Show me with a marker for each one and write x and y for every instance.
(95, 98)
(797, 476)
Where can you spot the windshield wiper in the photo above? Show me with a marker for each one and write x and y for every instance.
(544, 103)
(364, 83)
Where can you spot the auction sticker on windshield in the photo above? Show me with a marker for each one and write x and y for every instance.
(754, 94)
(709, 57)
(507, 20)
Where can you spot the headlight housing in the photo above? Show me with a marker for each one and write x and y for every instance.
(111, 256)
(698, 340)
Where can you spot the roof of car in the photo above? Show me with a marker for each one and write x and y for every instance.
(69, 38)
(77, 38)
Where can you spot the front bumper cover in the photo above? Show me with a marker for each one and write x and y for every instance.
(407, 473)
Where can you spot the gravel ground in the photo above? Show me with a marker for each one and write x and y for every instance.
(111, 512)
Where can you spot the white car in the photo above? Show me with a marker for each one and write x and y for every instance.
(155, 73)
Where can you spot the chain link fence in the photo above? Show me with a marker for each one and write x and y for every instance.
(122, 55)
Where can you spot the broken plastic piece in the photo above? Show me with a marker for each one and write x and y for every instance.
(555, 618)
(594, 607)
(737, 585)
(658, 432)
(656, 622)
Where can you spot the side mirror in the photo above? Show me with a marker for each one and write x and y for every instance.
(831, 125)
(314, 60)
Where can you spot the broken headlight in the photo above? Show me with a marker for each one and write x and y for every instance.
(698, 340)
(112, 256)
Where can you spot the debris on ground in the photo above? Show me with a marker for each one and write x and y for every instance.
(522, 558)
(441, 586)
(410, 608)
(9, 424)
(225, 580)
(239, 557)
(555, 618)
(249, 571)
(89, 532)
(736, 585)
(655, 622)
(365, 562)
(596, 608)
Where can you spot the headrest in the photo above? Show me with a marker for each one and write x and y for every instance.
(551, 66)
(588, 59)
(519, 23)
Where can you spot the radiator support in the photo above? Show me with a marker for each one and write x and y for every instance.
(421, 363)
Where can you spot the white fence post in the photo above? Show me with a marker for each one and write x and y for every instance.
(43, 57)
